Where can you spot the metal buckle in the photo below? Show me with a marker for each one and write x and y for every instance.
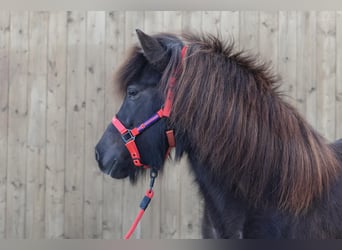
(153, 176)
(127, 137)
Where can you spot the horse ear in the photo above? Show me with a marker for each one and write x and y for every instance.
(154, 52)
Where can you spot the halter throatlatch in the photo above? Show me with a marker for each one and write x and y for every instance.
(129, 135)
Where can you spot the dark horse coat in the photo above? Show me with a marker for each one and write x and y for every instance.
(263, 171)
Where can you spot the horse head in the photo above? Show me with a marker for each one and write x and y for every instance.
(137, 121)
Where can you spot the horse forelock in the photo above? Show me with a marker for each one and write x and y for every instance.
(228, 105)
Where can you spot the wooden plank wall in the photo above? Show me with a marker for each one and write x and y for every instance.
(57, 96)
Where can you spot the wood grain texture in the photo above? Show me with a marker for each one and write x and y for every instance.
(287, 57)
(36, 137)
(17, 125)
(75, 124)
(230, 26)
(192, 21)
(306, 66)
(4, 86)
(94, 122)
(268, 38)
(56, 127)
(249, 31)
(211, 22)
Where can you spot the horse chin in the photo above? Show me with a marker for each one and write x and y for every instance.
(117, 171)
(119, 175)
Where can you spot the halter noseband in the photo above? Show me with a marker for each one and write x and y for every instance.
(129, 135)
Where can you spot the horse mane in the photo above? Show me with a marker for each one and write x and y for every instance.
(228, 105)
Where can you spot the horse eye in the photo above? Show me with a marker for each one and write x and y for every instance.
(132, 92)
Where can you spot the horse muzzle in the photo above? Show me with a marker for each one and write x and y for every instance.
(110, 165)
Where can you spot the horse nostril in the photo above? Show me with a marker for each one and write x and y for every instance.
(97, 155)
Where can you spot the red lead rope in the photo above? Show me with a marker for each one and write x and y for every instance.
(131, 146)
(143, 205)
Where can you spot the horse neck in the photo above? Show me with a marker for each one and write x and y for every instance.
(274, 156)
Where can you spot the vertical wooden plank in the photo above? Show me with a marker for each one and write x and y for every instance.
(150, 225)
(132, 194)
(192, 21)
(17, 126)
(172, 22)
(249, 31)
(338, 125)
(113, 189)
(230, 28)
(4, 73)
(36, 137)
(170, 180)
(190, 211)
(306, 65)
(326, 72)
(93, 194)
(75, 124)
(287, 65)
(211, 22)
(56, 112)
(268, 38)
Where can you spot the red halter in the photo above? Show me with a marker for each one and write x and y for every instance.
(129, 135)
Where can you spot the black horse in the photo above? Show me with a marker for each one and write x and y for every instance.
(262, 169)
